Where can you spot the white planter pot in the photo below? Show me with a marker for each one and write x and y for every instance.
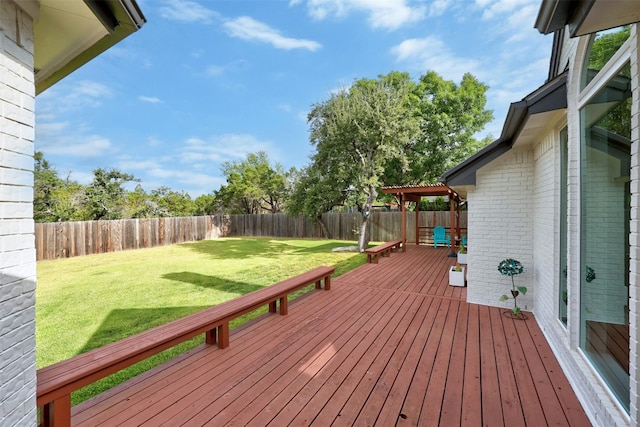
(462, 258)
(456, 278)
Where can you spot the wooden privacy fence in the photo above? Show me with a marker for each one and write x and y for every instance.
(69, 239)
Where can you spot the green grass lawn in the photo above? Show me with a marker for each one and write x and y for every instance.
(87, 302)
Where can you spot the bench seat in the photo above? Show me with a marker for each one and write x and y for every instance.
(384, 249)
(56, 382)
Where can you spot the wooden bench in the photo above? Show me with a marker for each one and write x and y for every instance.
(384, 249)
(55, 383)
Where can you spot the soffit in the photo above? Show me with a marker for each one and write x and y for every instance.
(64, 30)
(586, 16)
(607, 14)
(69, 33)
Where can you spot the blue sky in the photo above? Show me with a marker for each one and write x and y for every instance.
(204, 82)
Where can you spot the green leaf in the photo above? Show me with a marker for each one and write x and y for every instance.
(516, 310)
(522, 289)
(504, 298)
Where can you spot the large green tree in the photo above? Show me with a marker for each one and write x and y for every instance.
(54, 199)
(356, 132)
(388, 131)
(450, 115)
(104, 197)
(253, 186)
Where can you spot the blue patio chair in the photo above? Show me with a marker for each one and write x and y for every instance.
(464, 241)
(440, 236)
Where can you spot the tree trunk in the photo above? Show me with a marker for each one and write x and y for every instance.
(325, 229)
(363, 240)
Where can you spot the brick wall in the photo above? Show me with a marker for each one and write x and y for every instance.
(546, 225)
(500, 222)
(634, 238)
(17, 250)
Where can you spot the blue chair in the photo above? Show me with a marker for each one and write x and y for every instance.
(464, 241)
(440, 236)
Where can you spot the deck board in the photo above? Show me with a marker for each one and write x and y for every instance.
(390, 344)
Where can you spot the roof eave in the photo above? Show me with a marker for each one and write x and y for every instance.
(120, 18)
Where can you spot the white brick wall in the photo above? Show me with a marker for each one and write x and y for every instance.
(17, 252)
(505, 186)
(634, 238)
(545, 225)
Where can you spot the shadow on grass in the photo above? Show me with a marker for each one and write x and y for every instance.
(123, 323)
(247, 247)
(212, 282)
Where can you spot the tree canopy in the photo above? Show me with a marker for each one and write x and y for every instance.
(253, 186)
(388, 131)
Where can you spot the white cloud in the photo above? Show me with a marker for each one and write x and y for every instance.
(500, 7)
(385, 14)
(88, 146)
(439, 7)
(187, 11)
(65, 98)
(194, 183)
(149, 99)
(131, 164)
(430, 53)
(247, 28)
(221, 148)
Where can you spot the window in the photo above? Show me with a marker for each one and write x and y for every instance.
(563, 294)
(605, 159)
(602, 48)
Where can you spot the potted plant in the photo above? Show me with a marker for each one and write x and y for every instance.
(456, 275)
(510, 267)
(462, 254)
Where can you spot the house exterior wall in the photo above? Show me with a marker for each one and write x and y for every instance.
(545, 226)
(506, 183)
(634, 235)
(525, 183)
(17, 250)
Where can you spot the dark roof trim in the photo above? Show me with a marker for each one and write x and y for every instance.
(585, 16)
(556, 54)
(549, 97)
(553, 15)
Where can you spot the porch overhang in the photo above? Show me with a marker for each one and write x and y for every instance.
(68, 34)
(524, 121)
(586, 16)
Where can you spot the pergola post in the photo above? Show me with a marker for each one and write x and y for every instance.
(452, 210)
(403, 208)
(417, 222)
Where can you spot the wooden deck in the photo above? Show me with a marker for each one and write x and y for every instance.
(390, 344)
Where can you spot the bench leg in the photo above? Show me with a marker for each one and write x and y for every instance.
(57, 413)
(223, 335)
(284, 305)
(211, 337)
(272, 307)
(319, 284)
(327, 283)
